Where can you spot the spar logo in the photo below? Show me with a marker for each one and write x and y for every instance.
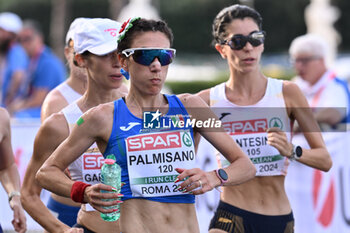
(276, 122)
(246, 126)
(92, 162)
(154, 141)
(323, 201)
(187, 139)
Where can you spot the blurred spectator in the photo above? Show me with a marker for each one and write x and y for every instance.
(63, 210)
(320, 85)
(14, 60)
(75, 85)
(9, 176)
(45, 72)
(329, 98)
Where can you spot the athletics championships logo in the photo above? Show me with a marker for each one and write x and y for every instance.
(155, 120)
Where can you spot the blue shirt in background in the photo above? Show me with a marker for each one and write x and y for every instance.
(44, 72)
(16, 60)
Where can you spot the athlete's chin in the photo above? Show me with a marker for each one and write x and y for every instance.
(248, 69)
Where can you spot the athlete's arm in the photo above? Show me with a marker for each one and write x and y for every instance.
(298, 109)
(16, 80)
(205, 95)
(241, 168)
(94, 125)
(9, 176)
(50, 135)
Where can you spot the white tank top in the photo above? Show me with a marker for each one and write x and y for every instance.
(247, 125)
(68, 93)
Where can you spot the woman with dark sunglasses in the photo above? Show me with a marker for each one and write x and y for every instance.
(258, 113)
(149, 134)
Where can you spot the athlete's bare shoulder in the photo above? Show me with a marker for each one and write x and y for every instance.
(54, 102)
(4, 116)
(190, 100)
(97, 121)
(293, 96)
(205, 95)
(4, 123)
(56, 125)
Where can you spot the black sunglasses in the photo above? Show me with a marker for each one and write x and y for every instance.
(237, 42)
(145, 56)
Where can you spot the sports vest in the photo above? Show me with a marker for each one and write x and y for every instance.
(247, 126)
(148, 151)
(68, 93)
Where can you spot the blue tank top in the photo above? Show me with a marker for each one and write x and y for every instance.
(154, 154)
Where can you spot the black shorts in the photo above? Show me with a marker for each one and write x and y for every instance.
(234, 220)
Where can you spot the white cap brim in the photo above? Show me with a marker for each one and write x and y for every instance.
(104, 49)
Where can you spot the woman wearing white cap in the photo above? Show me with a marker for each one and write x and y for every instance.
(95, 44)
(157, 163)
(74, 86)
(66, 93)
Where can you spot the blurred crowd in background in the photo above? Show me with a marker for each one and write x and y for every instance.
(196, 60)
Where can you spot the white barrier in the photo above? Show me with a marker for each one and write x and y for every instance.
(23, 134)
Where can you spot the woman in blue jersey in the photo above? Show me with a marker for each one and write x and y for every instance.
(258, 113)
(153, 146)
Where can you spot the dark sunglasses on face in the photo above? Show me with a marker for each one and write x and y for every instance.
(145, 56)
(237, 42)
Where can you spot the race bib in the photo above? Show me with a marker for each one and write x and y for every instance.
(152, 159)
(91, 165)
(267, 159)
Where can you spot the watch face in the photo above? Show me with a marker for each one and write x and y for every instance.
(298, 151)
(223, 174)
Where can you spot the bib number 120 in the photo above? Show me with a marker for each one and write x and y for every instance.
(165, 168)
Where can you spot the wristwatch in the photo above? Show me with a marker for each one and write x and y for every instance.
(296, 153)
(12, 194)
(222, 175)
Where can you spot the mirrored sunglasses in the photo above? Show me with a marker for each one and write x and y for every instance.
(237, 42)
(145, 56)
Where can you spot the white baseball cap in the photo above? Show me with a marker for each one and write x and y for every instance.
(73, 26)
(10, 22)
(98, 36)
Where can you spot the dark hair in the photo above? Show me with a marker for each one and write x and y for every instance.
(230, 13)
(144, 25)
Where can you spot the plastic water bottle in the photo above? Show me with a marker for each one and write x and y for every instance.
(111, 175)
